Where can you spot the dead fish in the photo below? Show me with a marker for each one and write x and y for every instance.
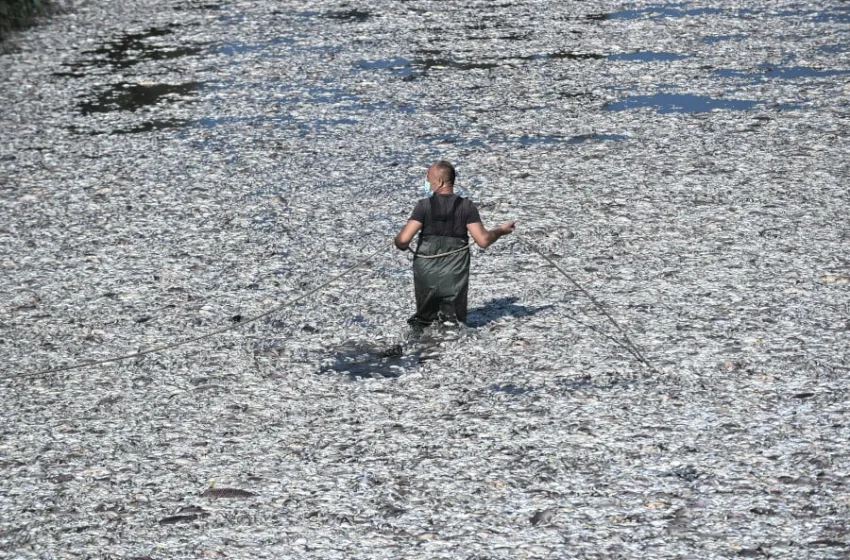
(227, 493)
(184, 515)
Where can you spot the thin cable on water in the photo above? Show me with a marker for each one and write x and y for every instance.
(633, 349)
(164, 347)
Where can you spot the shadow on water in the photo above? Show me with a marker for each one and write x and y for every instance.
(687, 103)
(362, 360)
(129, 50)
(497, 308)
(129, 97)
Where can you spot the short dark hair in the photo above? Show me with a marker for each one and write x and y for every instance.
(446, 171)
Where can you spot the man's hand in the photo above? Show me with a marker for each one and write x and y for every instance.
(508, 228)
(406, 235)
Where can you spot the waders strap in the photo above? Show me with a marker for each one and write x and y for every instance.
(434, 216)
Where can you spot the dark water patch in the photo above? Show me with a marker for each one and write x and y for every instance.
(771, 72)
(647, 57)
(594, 137)
(664, 11)
(132, 49)
(129, 97)
(686, 103)
(20, 14)
(835, 48)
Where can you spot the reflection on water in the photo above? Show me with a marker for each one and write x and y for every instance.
(129, 97)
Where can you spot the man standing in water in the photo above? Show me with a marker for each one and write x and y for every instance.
(441, 261)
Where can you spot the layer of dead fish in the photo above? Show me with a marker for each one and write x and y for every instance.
(173, 168)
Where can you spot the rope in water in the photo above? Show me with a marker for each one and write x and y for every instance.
(164, 347)
(631, 345)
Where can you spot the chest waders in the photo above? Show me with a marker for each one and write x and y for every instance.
(441, 284)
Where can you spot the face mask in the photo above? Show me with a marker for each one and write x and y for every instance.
(428, 192)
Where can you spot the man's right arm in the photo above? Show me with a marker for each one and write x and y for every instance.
(406, 235)
(486, 237)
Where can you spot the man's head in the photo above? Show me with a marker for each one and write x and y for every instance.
(441, 176)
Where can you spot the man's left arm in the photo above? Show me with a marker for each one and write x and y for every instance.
(406, 235)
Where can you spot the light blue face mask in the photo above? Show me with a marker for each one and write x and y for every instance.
(428, 192)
